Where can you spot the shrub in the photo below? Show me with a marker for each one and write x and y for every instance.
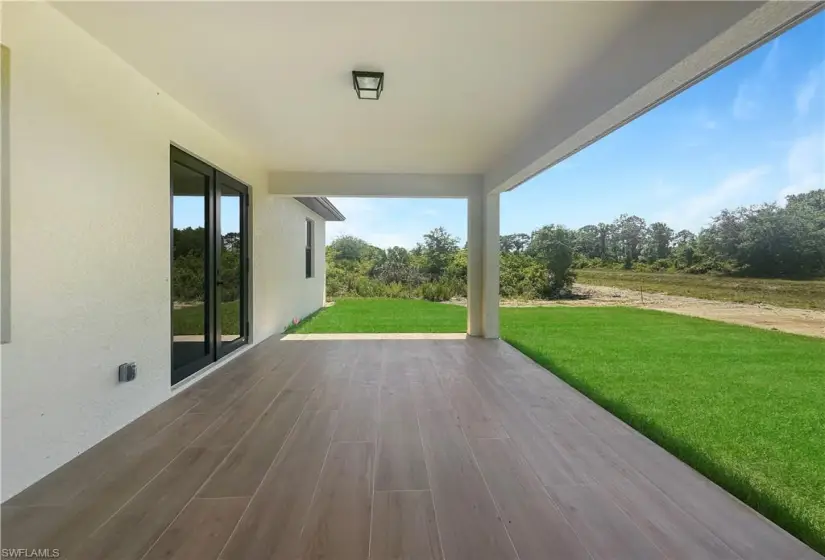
(438, 291)
(397, 290)
(522, 276)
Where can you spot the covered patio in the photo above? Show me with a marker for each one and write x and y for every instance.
(384, 447)
(449, 447)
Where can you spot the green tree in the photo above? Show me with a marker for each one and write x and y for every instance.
(438, 250)
(631, 232)
(553, 246)
(606, 235)
(684, 248)
(514, 243)
(659, 240)
(350, 248)
(589, 243)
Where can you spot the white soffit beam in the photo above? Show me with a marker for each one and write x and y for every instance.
(563, 139)
(412, 185)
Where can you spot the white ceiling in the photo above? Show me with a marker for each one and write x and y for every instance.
(465, 82)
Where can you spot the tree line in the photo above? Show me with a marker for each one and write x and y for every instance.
(188, 265)
(766, 240)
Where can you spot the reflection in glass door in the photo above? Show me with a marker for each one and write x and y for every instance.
(209, 265)
(232, 266)
(191, 343)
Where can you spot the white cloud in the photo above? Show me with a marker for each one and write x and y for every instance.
(694, 212)
(805, 166)
(807, 90)
(663, 190)
(751, 92)
(745, 105)
(368, 219)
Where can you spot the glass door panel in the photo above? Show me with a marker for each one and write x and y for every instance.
(191, 340)
(210, 264)
(232, 266)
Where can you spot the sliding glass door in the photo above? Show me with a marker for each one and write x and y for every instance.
(232, 268)
(209, 264)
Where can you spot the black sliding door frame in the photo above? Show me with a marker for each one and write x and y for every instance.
(214, 240)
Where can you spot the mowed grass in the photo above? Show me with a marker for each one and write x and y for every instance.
(744, 406)
(803, 294)
(375, 315)
(189, 320)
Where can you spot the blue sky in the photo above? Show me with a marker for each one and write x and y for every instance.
(751, 133)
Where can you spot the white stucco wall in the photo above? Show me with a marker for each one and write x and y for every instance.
(90, 253)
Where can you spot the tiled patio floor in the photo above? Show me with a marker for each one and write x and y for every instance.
(415, 447)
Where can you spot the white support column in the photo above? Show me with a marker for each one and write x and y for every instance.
(483, 265)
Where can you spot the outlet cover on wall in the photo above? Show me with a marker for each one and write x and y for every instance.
(127, 372)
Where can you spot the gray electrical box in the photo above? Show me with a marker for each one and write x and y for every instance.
(127, 372)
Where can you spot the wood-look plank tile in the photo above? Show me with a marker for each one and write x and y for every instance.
(606, 531)
(623, 496)
(98, 501)
(538, 529)
(246, 465)
(467, 518)
(396, 403)
(404, 526)
(472, 413)
(66, 482)
(241, 374)
(221, 398)
(358, 420)
(427, 391)
(582, 455)
(135, 528)
(201, 530)
(245, 411)
(28, 526)
(400, 464)
(338, 523)
(672, 530)
(271, 525)
(329, 394)
(368, 367)
(544, 457)
(743, 530)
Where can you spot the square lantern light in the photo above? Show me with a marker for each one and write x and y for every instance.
(368, 85)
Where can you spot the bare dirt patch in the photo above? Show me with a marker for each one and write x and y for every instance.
(797, 321)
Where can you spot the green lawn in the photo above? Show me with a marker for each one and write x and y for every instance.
(802, 294)
(189, 320)
(744, 406)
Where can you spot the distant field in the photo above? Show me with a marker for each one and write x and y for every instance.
(803, 294)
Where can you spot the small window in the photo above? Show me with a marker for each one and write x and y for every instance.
(308, 250)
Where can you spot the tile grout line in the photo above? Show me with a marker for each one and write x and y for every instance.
(537, 425)
(486, 368)
(269, 468)
(377, 447)
(664, 494)
(402, 491)
(107, 470)
(329, 447)
(426, 464)
(166, 466)
(487, 487)
(235, 446)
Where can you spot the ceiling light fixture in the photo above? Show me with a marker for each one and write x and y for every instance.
(368, 85)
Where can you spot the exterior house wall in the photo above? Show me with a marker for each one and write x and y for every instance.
(90, 242)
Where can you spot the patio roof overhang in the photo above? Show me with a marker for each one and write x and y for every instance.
(478, 97)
